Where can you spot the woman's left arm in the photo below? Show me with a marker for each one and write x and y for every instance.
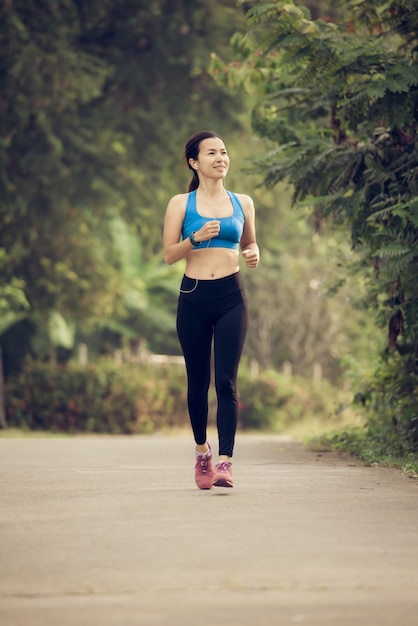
(249, 247)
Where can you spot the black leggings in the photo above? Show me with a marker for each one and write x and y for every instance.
(212, 309)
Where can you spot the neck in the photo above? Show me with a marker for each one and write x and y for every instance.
(212, 191)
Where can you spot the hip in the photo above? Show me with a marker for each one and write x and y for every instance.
(213, 289)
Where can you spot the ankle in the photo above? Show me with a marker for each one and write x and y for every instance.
(224, 459)
(202, 448)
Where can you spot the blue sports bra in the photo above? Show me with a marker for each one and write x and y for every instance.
(231, 228)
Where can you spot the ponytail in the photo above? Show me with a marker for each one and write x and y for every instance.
(194, 183)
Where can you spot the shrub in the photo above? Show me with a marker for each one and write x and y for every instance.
(272, 401)
(132, 398)
(389, 400)
(101, 398)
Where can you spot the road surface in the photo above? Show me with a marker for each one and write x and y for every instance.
(111, 531)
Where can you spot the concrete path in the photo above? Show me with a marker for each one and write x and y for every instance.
(112, 531)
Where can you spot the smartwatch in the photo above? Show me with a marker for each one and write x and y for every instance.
(193, 240)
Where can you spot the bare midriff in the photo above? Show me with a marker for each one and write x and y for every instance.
(209, 264)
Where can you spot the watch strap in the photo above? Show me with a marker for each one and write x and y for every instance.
(193, 240)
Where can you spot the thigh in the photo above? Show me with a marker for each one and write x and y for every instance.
(195, 335)
(230, 332)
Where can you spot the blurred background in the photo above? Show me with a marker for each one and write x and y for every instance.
(97, 101)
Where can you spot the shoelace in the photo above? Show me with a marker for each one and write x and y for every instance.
(203, 462)
(224, 466)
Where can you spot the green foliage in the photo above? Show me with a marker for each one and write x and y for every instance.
(339, 102)
(134, 398)
(386, 397)
(102, 398)
(390, 400)
(375, 444)
(304, 308)
(13, 304)
(272, 401)
(96, 98)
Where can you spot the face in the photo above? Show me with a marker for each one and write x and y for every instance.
(213, 160)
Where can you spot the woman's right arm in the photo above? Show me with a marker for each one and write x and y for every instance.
(174, 248)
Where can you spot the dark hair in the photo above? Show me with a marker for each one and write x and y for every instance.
(191, 151)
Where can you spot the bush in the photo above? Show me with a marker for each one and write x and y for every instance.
(388, 400)
(132, 398)
(272, 401)
(101, 398)
(390, 403)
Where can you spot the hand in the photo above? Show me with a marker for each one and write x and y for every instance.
(209, 230)
(251, 257)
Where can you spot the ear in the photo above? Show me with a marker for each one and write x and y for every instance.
(193, 164)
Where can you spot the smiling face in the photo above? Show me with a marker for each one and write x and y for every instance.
(213, 159)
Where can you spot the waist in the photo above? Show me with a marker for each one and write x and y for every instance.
(210, 264)
(216, 287)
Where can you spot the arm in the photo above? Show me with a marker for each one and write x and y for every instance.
(249, 247)
(174, 249)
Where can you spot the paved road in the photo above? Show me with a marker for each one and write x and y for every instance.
(112, 531)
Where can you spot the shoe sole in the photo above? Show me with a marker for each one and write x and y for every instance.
(207, 486)
(222, 482)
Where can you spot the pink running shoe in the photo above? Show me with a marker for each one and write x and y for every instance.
(223, 475)
(203, 471)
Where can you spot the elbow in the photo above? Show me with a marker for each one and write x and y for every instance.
(168, 258)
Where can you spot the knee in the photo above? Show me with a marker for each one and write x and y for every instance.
(227, 388)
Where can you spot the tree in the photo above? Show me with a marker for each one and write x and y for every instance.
(96, 98)
(338, 101)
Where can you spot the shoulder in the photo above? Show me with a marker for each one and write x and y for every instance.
(246, 203)
(179, 200)
(177, 204)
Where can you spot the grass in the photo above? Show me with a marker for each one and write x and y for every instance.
(371, 450)
(344, 431)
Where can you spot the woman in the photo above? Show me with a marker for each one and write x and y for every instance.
(207, 226)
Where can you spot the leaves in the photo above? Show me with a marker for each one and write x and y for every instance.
(96, 98)
(340, 108)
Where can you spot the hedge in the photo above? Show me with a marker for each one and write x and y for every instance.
(100, 398)
(132, 398)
